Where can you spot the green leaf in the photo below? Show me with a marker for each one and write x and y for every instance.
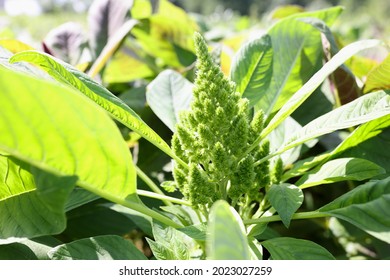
(137, 67)
(287, 248)
(252, 69)
(280, 134)
(286, 199)
(34, 249)
(79, 197)
(367, 207)
(363, 142)
(169, 94)
(31, 206)
(378, 78)
(297, 49)
(108, 247)
(224, 219)
(341, 169)
(197, 232)
(80, 139)
(111, 47)
(166, 34)
(308, 88)
(96, 219)
(100, 95)
(366, 108)
(170, 244)
(143, 221)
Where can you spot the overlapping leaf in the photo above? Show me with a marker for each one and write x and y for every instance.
(341, 169)
(287, 248)
(169, 94)
(80, 81)
(107, 247)
(63, 133)
(224, 219)
(252, 69)
(361, 110)
(297, 52)
(26, 211)
(304, 92)
(367, 207)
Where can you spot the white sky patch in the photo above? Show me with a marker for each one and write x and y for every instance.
(22, 7)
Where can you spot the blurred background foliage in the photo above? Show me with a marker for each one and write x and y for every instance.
(32, 19)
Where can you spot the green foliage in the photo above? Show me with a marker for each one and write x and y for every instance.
(252, 123)
(222, 246)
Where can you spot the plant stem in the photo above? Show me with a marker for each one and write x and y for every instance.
(296, 216)
(151, 184)
(166, 199)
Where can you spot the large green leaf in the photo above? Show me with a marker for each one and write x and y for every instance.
(366, 108)
(107, 247)
(287, 248)
(31, 206)
(226, 239)
(367, 207)
(297, 52)
(378, 78)
(341, 169)
(169, 94)
(29, 249)
(171, 244)
(286, 199)
(308, 88)
(252, 69)
(80, 139)
(104, 98)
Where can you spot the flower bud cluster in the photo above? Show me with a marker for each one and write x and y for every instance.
(214, 136)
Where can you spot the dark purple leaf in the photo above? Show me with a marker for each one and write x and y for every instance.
(65, 42)
(104, 18)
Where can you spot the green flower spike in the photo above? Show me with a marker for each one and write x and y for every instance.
(213, 137)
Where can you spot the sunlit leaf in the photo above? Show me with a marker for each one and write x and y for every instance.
(367, 207)
(224, 219)
(76, 140)
(366, 108)
(117, 108)
(169, 94)
(341, 169)
(297, 52)
(252, 69)
(378, 78)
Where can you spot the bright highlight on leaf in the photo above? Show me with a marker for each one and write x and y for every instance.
(226, 239)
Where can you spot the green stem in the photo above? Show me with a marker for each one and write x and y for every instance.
(151, 184)
(166, 199)
(296, 216)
